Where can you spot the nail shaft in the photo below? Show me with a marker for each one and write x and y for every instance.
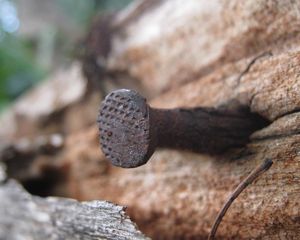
(130, 130)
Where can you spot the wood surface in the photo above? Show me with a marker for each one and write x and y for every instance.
(191, 54)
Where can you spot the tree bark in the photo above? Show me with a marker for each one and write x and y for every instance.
(30, 217)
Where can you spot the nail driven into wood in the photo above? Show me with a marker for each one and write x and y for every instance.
(130, 130)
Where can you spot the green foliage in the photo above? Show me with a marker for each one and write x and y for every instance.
(79, 11)
(18, 67)
(18, 71)
(111, 5)
(82, 11)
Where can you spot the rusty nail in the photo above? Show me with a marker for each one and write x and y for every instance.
(130, 130)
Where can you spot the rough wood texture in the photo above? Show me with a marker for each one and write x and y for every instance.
(194, 52)
(27, 217)
(203, 46)
(177, 42)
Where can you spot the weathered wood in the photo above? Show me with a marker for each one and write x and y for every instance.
(194, 51)
(203, 47)
(178, 194)
(178, 41)
(27, 217)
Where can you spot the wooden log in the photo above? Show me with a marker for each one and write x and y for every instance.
(178, 194)
(191, 54)
(175, 42)
(29, 217)
(195, 52)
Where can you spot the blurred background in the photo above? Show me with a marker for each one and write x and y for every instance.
(37, 37)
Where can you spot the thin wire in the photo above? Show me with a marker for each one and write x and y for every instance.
(250, 65)
(246, 182)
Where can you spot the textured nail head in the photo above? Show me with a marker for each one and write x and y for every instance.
(124, 129)
(130, 130)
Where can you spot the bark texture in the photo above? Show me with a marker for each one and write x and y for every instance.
(28, 217)
(191, 54)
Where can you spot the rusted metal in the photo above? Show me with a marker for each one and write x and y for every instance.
(130, 130)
